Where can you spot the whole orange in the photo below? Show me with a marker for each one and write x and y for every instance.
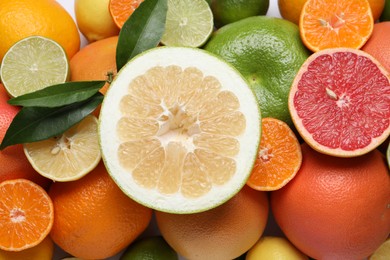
(224, 232)
(93, 218)
(291, 9)
(13, 161)
(378, 44)
(95, 61)
(336, 208)
(22, 18)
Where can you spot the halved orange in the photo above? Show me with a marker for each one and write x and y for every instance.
(279, 157)
(335, 23)
(26, 214)
(121, 10)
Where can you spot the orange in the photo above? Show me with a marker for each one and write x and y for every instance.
(42, 251)
(336, 208)
(95, 61)
(279, 156)
(291, 9)
(94, 219)
(378, 44)
(22, 18)
(13, 160)
(224, 232)
(121, 10)
(26, 214)
(335, 23)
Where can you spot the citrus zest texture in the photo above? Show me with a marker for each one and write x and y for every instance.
(174, 130)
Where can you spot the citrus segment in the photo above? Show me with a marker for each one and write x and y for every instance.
(279, 156)
(69, 156)
(339, 102)
(335, 23)
(26, 214)
(383, 252)
(121, 10)
(33, 63)
(183, 143)
(189, 23)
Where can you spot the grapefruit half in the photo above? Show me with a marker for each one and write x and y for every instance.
(340, 102)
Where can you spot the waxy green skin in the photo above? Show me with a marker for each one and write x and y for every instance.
(268, 52)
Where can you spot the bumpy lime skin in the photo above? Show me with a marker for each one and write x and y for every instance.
(268, 52)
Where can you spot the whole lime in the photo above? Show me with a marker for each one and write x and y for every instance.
(229, 11)
(268, 52)
(151, 248)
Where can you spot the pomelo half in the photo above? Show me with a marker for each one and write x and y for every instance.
(340, 102)
(179, 130)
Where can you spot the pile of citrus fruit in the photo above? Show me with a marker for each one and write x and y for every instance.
(172, 129)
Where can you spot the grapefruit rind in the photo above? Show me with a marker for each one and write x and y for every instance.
(308, 136)
(209, 65)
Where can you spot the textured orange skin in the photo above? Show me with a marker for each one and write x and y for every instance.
(22, 18)
(336, 208)
(225, 232)
(13, 161)
(94, 61)
(93, 218)
(378, 44)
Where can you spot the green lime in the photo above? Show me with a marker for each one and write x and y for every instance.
(229, 11)
(189, 23)
(268, 52)
(385, 16)
(150, 248)
(33, 63)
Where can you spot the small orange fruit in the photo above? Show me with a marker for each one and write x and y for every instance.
(335, 23)
(336, 208)
(22, 18)
(279, 156)
(42, 251)
(95, 61)
(121, 10)
(26, 214)
(378, 44)
(224, 232)
(94, 219)
(13, 160)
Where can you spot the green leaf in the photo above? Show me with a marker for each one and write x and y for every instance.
(142, 31)
(59, 95)
(33, 124)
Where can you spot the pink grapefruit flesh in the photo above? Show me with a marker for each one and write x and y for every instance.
(340, 102)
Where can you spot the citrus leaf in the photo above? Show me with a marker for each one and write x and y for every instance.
(59, 95)
(33, 124)
(142, 31)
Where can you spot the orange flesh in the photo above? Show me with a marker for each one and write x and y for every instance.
(336, 23)
(121, 10)
(178, 131)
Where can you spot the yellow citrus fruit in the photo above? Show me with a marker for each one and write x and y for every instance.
(94, 19)
(23, 18)
(275, 248)
(42, 251)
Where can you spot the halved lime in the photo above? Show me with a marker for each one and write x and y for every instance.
(33, 63)
(189, 23)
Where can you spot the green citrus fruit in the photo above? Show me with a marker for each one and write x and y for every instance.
(268, 52)
(229, 11)
(152, 248)
(385, 16)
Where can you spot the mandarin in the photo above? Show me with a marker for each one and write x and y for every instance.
(336, 208)
(13, 160)
(224, 232)
(93, 218)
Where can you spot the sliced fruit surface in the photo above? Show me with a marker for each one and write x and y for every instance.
(383, 252)
(121, 10)
(335, 23)
(33, 63)
(67, 157)
(339, 102)
(26, 214)
(279, 157)
(189, 23)
(179, 130)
